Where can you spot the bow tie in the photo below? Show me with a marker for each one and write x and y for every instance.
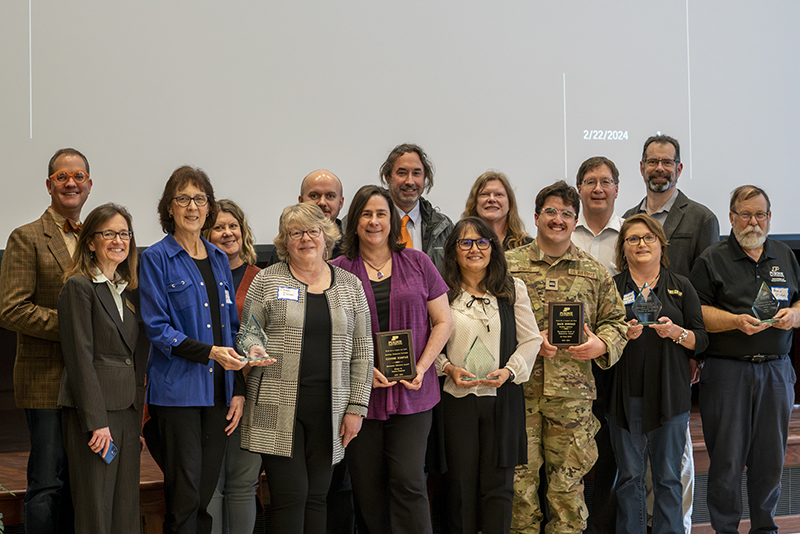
(69, 226)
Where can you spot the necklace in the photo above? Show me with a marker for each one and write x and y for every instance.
(650, 285)
(377, 269)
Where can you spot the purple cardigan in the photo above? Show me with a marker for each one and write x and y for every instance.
(415, 281)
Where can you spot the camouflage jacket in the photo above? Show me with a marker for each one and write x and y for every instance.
(575, 277)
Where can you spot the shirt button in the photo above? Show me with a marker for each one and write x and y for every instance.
(128, 361)
(208, 326)
(206, 304)
(202, 284)
(211, 370)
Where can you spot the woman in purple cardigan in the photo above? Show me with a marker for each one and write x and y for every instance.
(404, 291)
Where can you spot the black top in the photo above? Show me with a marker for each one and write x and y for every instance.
(238, 276)
(381, 290)
(653, 367)
(727, 278)
(315, 358)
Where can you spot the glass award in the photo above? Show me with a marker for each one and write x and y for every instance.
(479, 361)
(647, 307)
(765, 306)
(251, 334)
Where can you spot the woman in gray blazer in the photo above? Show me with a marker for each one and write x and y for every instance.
(100, 392)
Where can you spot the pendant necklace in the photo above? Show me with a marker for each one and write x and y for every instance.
(377, 269)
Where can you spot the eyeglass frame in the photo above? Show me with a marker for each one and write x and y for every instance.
(112, 238)
(297, 235)
(460, 243)
(749, 216)
(54, 176)
(192, 199)
(668, 163)
(567, 214)
(592, 183)
(637, 238)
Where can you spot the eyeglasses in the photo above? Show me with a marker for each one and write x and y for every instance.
(296, 235)
(647, 238)
(466, 244)
(63, 177)
(746, 215)
(110, 235)
(184, 200)
(552, 212)
(667, 163)
(605, 183)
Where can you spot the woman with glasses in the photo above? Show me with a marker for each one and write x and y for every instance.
(102, 409)
(492, 199)
(233, 506)
(195, 388)
(651, 395)
(302, 411)
(405, 292)
(489, 355)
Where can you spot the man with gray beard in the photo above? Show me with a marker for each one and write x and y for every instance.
(747, 384)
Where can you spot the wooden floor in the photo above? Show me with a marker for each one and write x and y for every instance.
(13, 468)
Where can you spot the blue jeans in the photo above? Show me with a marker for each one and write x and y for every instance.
(47, 506)
(664, 446)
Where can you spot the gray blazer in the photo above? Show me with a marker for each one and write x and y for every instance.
(690, 228)
(100, 352)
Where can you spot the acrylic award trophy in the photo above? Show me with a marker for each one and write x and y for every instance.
(252, 334)
(479, 361)
(646, 307)
(765, 306)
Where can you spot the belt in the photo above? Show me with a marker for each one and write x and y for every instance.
(753, 358)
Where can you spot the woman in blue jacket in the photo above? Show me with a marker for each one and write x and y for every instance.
(195, 388)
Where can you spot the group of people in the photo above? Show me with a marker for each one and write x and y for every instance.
(236, 370)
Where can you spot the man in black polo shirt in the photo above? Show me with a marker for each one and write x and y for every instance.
(747, 384)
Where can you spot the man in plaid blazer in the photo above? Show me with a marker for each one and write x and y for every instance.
(35, 258)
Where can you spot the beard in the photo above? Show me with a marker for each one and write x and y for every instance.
(751, 237)
(657, 187)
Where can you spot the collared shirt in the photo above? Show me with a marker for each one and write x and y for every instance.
(727, 278)
(414, 225)
(481, 320)
(70, 238)
(660, 215)
(603, 245)
(117, 287)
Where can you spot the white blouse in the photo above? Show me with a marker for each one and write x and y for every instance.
(482, 319)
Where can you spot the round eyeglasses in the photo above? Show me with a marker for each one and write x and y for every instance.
(313, 233)
(63, 177)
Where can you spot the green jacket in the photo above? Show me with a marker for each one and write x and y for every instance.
(575, 277)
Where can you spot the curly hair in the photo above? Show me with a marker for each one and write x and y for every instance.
(304, 215)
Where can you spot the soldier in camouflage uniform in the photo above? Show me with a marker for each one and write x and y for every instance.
(559, 394)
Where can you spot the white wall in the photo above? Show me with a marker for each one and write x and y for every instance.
(260, 93)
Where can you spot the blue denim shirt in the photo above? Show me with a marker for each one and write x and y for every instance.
(174, 306)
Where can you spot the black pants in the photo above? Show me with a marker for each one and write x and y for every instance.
(386, 463)
(480, 494)
(193, 441)
(298, 486)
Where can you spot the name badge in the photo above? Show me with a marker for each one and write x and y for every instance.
(781, 293)
(288, 293)
(628, 298)
(228, 297)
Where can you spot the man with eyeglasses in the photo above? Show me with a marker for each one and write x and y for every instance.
(596, 233)
(559, 395)
(35, 258)
(690, 227)
(747, 384)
